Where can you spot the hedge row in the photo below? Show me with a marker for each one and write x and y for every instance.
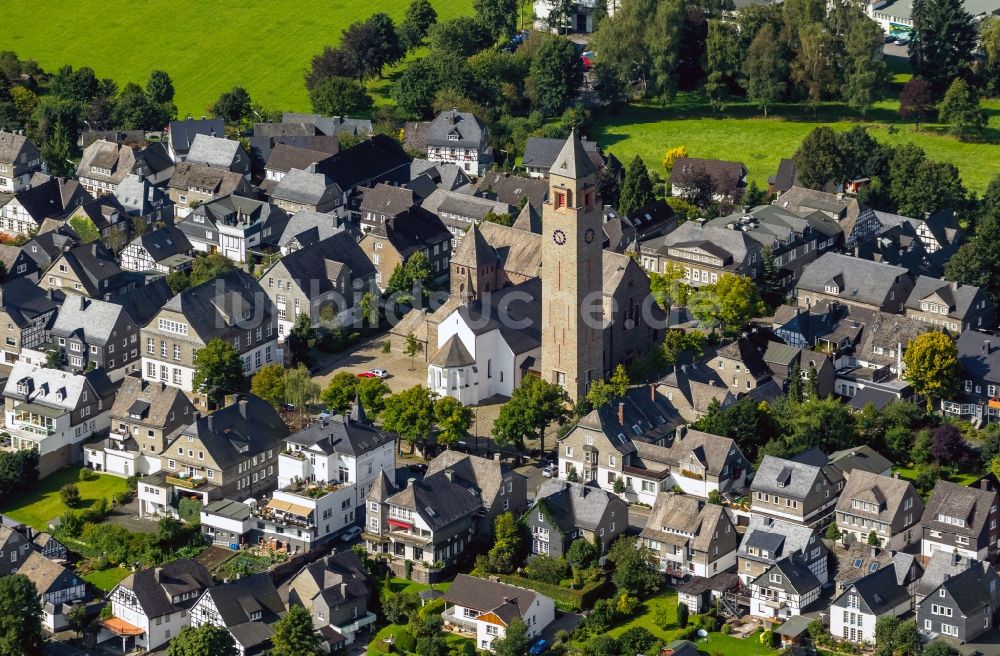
(566, 600)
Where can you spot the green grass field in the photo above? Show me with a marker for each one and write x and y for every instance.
(106, 579)
(206, 47)
(742, 133)
(42, 504)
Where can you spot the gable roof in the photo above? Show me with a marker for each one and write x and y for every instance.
(486, 596)
(487, 473)
(239, 600)
(474, 251)
(212, 308)
(879, 592)
(155, 587)
(214, 151)
(885, 492)
(862, 281)
(338, 578)
(456, 129)
(683, 516)
(234, 433)
(970, 504)
(979, 355)
(959, 299)
(182, 133)
(791, 478)
(779, 538)
(164, 243)
(352, 435)
(575, 505)
(439, 499)
(306, 187)
(725, 176)
(89, 320)
(151, 402)
(24, 301)
(285, 157)
(794, 576)
(386, 199)
(540, 152)
(512, 189)
(47, 576)
(313, 268)
(52, 198)
(11, 145)
(861, 458)
(209, 179)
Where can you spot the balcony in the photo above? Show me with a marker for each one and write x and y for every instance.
(187, 482)
(311, 490)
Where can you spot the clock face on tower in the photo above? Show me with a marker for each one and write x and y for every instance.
(589, 235)
(559, 237)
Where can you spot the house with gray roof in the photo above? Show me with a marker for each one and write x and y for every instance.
(193, 184)
(285, 157)
(235, 226)
(95, 333)
(182, 133)
(727, 180)
(165, 250)
(767, 540)
(512, 189)
(220, 153)
(427, 522)
(381, 202)
(961, 520)
(325, 280)
(152, 605)
(144, 201)
(301, 189)
(861, 458)
(307, 227)
(46, 198)
(540, 153)
(459, 211)
(880, 592)
(103, 165)
(489, 607)
(854, 282)
(857, 221)
(887, 506)
(690, 537)
(785, 589)
(426, 176)
(58, 589)
(19, 159)
(246, 607)
(951, 305)
(963, 606)
(979, 363)
(691, 389)
(459, 138)
(565, 511)
(390, 244)
(501, 488)
(938, 231)
(802, 489)
(336, 591)
(54, 411)
(27, 311)
(232, 307)
(704, 251)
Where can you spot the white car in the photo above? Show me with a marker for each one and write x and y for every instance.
(380, 373)
(350, 534)
(550, 470)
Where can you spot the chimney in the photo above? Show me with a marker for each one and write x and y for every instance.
(652, 387)
(243, 408)
(210, 421)
(895, 474)
(621, 413)
(984, 484)
(410, 482)
(954, 284)
(682, 431)
(52, 294)
(449, 474)
(83, 302)
(496, 456)
(986, 347)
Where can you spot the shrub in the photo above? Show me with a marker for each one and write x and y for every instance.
(727, 629)
(767, 638)
(70, 495)
(682, 615)
(87, 474)
(546, 569)
(386, 347)
(189, 510)
(120, 498)
(405, 642)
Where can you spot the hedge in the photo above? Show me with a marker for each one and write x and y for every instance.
(566, 600)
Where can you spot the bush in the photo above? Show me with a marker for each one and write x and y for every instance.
(767, 639)
(70, 495)
(386, 346)
(727, 629)
(682, 615)
(189, 510)
(405, 642)
(120, 498)
(546, 569)
(87, 474)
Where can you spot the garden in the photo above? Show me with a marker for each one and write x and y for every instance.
(44, 503)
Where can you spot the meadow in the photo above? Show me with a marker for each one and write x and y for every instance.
(264, 46)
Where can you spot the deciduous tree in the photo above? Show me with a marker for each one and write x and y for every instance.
(498, 16)
(294, 635)
(420, 15)
(555, 75)
(931, 365)
(916, 101)
(205, 640)
(217, 368)
(453, 421)
(962, 111)
(232, 106)
(765, 69)
(269, 383)
(339, 96)
(20, 617)
(533, 406)
(409, 414)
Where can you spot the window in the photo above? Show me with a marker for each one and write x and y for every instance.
(166, 325)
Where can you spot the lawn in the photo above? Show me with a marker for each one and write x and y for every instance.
(742, 133)
(910, 474)
(106, 579)
(40, 506)
(456, 644)
(398, 585)
(206, 47)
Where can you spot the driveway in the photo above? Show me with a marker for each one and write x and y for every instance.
(128, 516)
(567, 622)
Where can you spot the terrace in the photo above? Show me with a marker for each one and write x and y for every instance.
(311, 490)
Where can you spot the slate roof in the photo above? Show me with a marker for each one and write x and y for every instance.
(845, 210)
(310, 267)
(218, 182)
(466, 126)
(790, 478)
(337, 578)
(487, 473)
(159, 399)
(519, 251)
(24, 301)
(415, 135)
(285, 157)
(116, 158)
(164, 243)
(47, 576)
(230, 437)
(386, 199)
(330, 125)
(214, 151)
(415, 230)
(722, 242)
(377, 159)
(154, 587)
(438, 500)
(426, 176)
(888, 332)
(725, 175)
(474, 251)
(88, 319)
(511, 189)
(452, 354)
(713, 451)
(695, 389)
(138, 195)
(211, 309)
(51, 198)
(967, 503)
(795, 576)
(228, 508)
(153, 163)
(886, 492)
(351, 435)
(970, 589)
(676, 514)
(861, 281)
(861, 458)
(778, 537)
(785, 177)
(237, 600)
(573, 161)
(878, 592)
(94, 266)
(442, 203)
(183, 133)
(486, 596)
(979, 355)
(306, 188)
(960, 299)
(574, 505)
(11, 145)
(541, 152)
(943, 565)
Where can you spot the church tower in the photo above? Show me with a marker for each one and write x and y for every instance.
(473, 267)
(572, 272)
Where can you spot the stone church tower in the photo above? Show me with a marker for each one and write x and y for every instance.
(572, 272)
(473, 267)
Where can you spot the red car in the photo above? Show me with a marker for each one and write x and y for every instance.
(365, 374)
(587, 64)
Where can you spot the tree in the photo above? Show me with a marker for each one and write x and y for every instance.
(453, 421)
(947, 444)
(70, 495)
(301, 339)
(294, 634)
(507, 544)
(78, 620)
(977, 262)
(676, 342)
(416, 87)
(372, 45)
(635, 571)
(332, 62)
(340, 96)
(84, 226)
(409, 414)
(340, 392)
(20, 617)
(217, 368)
(670, 156)
(824, 423)
(722, 52)
(931, 365)
(232, 106)
(637, 189)
(819, 159)
(555, 75)
(533, 406)
(420, 15)
(939, 647)
(210, 267)
(269, 384)
(832, 532)
(765, 69)
(515, 641)
(160, 88)
(398, 607)
(602, 392)
(682, 615)
(866, 74)
(729, 303)
(300, 390)
(989, 39)
(582, 553)
(412, 348)
(885, 630)
(499, 17)
(873, 539)
(907, 639)
(609, 185)
(962, 111)
(206, 640)
(916, 101)
(415, 273)
(663, 39)
(812, 69)
(459, 37)
(942, 42)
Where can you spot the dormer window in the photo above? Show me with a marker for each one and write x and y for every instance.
(831, 289)
(453, 137)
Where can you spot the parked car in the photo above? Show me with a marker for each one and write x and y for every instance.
(350, 534)
(890, 38)
(903, 41)
(550, 470)
(540, 647)
(418, 468)
(365, 374)
(380, 373)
